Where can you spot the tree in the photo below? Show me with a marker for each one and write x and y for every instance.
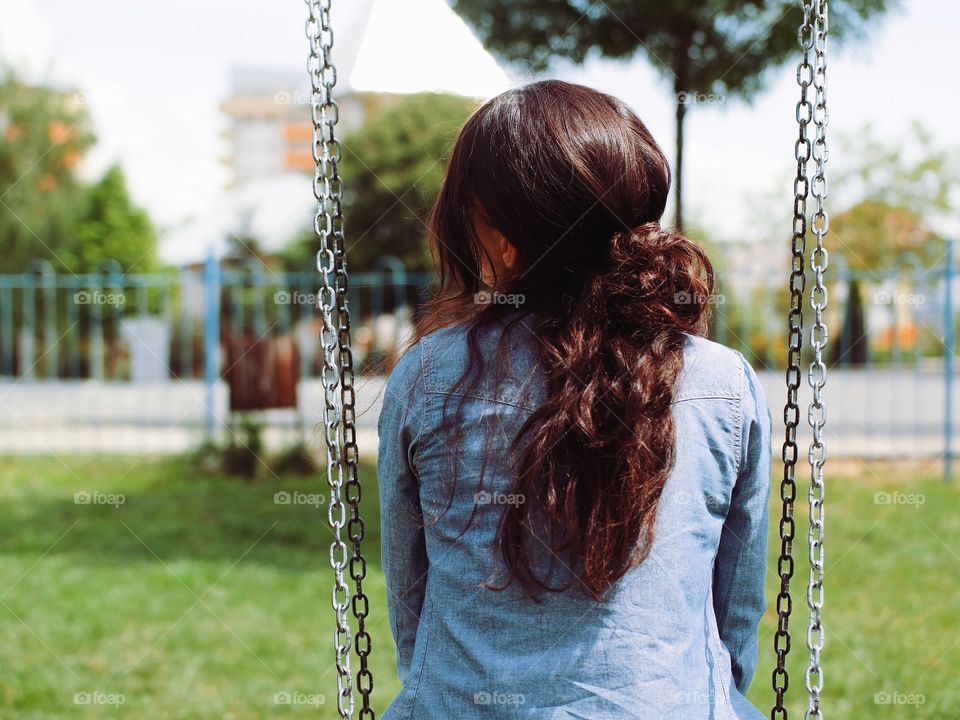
(43, 135)
(110, 227)
(709, 49)
(894, 191)
(392, 168)
(873, 235)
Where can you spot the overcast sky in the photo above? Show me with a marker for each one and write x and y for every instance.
(155, 71)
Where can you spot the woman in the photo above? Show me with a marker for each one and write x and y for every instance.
(573, 481)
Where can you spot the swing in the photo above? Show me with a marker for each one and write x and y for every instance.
(340, 398)
(812, 35)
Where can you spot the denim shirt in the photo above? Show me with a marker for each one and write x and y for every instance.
(675, 638)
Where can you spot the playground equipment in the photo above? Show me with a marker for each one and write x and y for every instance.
(338, 371)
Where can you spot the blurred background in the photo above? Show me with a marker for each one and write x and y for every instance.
(159, 355)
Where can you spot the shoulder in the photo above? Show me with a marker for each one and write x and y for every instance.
(434, 356)
(709, 370)
(435, 350)
(712, 370)
(407, 372)
(445, 340)
(495, 361)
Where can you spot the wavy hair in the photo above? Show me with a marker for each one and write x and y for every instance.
(575, 182)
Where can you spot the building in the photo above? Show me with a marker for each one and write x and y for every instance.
(383, 49)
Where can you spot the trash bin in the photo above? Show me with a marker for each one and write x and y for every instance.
(261, 372)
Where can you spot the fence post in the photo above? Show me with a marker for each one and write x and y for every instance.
(211, 340)
(948, 346)
(7, 334)
(50, 353)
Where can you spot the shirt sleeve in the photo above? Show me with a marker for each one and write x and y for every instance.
(403, 546)
(741, 562)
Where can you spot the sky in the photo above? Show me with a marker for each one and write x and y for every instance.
(154, 73)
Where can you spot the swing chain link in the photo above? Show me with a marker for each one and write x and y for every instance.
(339, 425)
(817, 374)
(791, 411)
(350, 451)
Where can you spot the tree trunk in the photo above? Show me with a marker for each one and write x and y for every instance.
(678, 164)
(852, 350)
(681, 80)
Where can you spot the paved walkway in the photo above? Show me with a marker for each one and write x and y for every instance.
(871, 414)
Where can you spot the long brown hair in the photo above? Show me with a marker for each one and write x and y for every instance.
(574, 180)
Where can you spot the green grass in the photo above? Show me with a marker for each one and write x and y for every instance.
(892, 597)
(200, 597)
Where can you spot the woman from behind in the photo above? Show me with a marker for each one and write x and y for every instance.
(573, 480)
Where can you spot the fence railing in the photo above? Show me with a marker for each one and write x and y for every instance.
(104, 356)
(147, 327)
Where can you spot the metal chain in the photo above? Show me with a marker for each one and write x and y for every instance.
(791, 411)
(358, 564)
(817, 375)
(327, 223)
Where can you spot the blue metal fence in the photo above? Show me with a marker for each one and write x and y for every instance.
(69, 326)
(124, 362)
(891, 389)
(119, 354)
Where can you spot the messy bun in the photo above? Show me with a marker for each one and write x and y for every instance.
(655, 280)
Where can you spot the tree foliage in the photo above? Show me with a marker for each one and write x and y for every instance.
(702, 47)
(110, 227)
(392, 168)
(43, 135)
(711, 46)
(893, 191)
(874, 235)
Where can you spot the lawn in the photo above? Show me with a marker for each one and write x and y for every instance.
(176, 593)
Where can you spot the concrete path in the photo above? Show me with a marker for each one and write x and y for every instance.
(870, 414)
